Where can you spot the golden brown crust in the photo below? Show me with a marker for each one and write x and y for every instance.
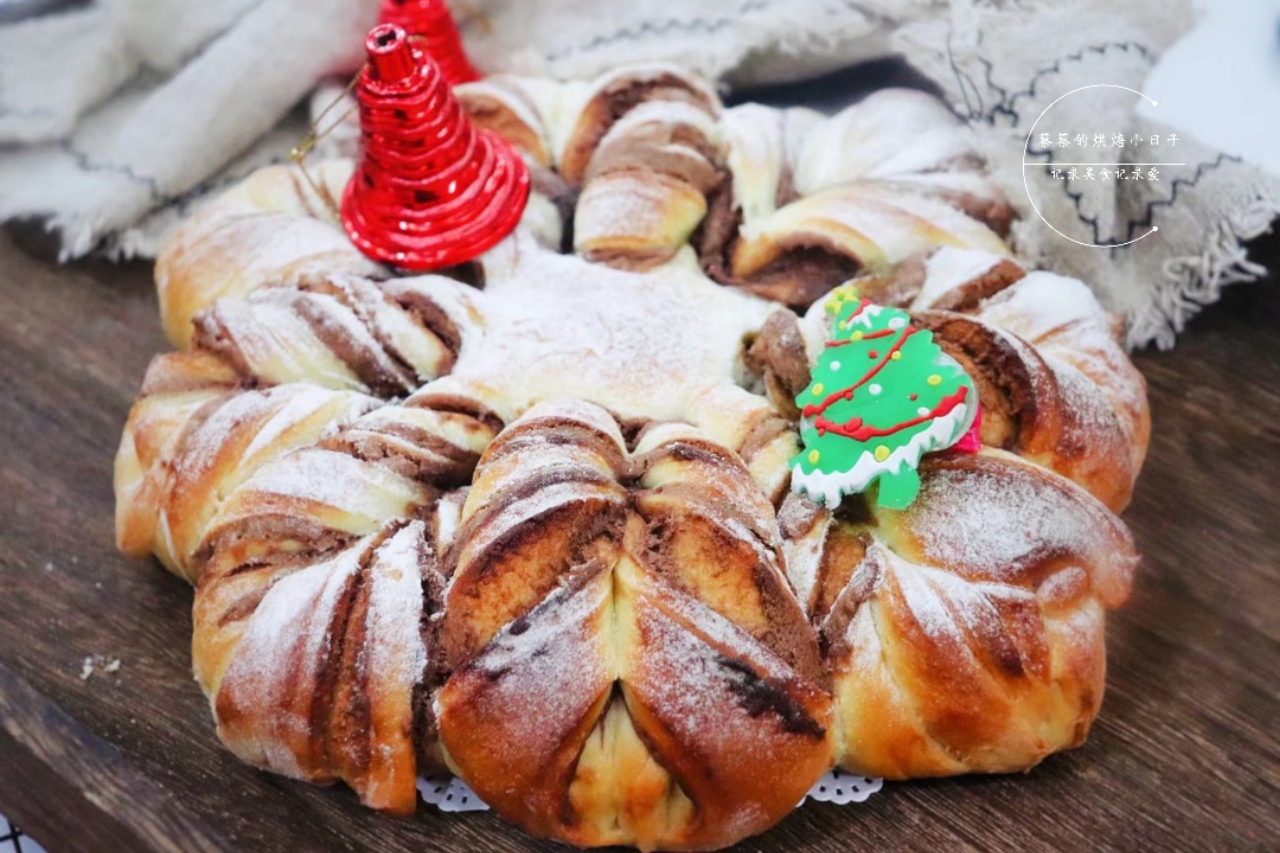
(964, 634)
(631, 666)
(617, 94)
(320, 590)
(618, 631)
(272, 228)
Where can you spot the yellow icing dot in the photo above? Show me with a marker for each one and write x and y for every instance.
(935, 379)
(813, 457)
(882, 453)
(857, 336)
(897, 356)
(817, 389)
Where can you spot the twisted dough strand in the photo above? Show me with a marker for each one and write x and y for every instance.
(964, 634)
(629, 664)
(321, 584)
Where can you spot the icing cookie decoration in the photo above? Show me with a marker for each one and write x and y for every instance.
(881, 395)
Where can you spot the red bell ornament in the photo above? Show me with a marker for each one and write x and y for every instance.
(431, 190)
(431, 21)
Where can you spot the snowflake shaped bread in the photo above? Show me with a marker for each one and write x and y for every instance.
(531, 523)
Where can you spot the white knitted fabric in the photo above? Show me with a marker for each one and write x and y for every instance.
(132, 110)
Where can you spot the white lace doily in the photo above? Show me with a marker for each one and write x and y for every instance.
(837, 786)
(451, 794)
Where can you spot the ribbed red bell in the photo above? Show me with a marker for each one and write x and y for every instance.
(431, 20)
(431, 191)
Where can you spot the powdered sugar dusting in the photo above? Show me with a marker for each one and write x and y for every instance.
(394, 652)
(804, 559)
(877, 225)
(303, 402)
(706, 633)
(664, 113)
(890, 132)
(367, 494)
(620, 204)
(756, 158)
(550, 674)
(640, 344)
(927, 606)
(280, 655)
(1061, 317)
(950, 268)
(278, 344)
(1041, 302)
(997, 523)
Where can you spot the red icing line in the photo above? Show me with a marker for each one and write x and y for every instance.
(855, 429)
(811, 409)
(883, 333)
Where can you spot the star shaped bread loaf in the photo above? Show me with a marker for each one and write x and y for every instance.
(531, 520)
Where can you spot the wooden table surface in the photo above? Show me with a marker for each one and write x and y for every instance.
(1186, 754)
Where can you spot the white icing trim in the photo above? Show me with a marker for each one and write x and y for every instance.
(830, 488)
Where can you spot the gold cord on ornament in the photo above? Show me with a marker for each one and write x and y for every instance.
(298, 154)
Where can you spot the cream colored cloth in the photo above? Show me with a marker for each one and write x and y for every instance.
(133, 110)
(1001, 67)
(134, 106)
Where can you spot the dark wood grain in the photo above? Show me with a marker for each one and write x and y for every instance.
(1186, 755)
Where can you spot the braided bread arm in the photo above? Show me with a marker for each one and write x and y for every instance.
(811, 201)
(271, 228)
(647, 183)
(183, 452)
(901, 138)
(864, 226)
(313, 617)
(642, 143)
(964, 634)
(629, 663)
(381, 338)
(1055, 386)
(200, 429)
(646, 150)
(615, 94)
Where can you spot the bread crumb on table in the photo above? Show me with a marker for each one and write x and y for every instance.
(94, 663)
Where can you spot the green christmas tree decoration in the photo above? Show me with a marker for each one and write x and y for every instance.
(881, 396)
